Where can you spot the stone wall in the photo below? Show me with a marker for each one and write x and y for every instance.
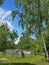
(16, 52)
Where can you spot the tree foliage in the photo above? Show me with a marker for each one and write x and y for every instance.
(46, 36)
(6, 38)
(25, 43)
(1, 2)
(34, 14)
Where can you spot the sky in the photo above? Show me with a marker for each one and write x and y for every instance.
(5, 15)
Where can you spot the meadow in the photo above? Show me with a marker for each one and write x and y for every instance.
(27, 60)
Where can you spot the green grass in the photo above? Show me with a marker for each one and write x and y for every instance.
(27, 60)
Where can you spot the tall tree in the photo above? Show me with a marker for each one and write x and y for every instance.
(3, 37)
(7, 37)
(34, 13)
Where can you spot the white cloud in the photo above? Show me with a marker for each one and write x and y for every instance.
(6, 14)
(17, 40)
(1, 12)
(3, 15)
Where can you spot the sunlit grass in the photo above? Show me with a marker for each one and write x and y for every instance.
(37, 59)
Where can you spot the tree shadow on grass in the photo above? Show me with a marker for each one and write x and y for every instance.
(17, 64)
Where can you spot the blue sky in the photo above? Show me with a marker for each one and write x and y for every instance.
(9, 6)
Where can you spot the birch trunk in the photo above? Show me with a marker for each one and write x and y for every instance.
(40, 26)
(46, 52)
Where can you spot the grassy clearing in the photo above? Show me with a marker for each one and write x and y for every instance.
(27, 60)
